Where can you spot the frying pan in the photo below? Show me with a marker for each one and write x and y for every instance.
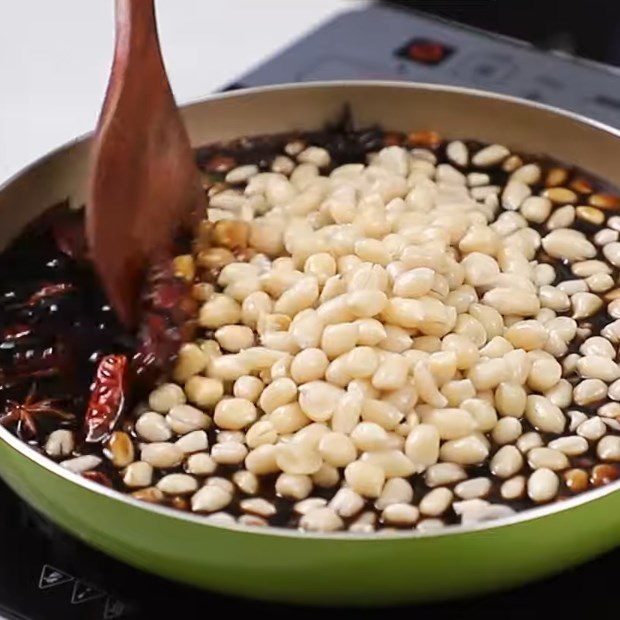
(286, 565)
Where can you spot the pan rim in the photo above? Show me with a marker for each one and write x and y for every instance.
(524, 516)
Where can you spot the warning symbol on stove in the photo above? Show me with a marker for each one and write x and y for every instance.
(114, 608)
(51, 576)
(83, 592)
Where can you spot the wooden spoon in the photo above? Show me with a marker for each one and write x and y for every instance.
(144, 183)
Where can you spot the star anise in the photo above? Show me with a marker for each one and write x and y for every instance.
(25, 414)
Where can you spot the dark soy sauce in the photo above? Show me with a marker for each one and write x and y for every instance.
(56, 341)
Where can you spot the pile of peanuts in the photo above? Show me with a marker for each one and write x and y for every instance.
(390, 344)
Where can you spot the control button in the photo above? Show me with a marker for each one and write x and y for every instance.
(425, 51)
(486, 69)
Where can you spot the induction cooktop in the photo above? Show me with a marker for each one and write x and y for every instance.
(47, 574)
(392, 43)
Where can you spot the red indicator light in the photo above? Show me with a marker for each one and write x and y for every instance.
(425, 51)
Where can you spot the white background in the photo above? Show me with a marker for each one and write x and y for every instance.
(55, 56)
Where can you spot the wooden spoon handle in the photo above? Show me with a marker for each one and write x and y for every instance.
(137, 55)
(144, 183)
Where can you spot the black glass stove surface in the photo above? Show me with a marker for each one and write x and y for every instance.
(45, 574)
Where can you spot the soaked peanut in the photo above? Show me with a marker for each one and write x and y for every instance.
(394, 322)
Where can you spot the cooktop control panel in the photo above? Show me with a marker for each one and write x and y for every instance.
(381, 42)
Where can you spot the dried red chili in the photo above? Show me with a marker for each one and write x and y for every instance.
(15, 332)
(33, 364)
(49, 290)
(168, 307)
(97, 476)
(107, 398)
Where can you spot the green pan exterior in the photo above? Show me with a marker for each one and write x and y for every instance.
(318, 570)
(283, 565)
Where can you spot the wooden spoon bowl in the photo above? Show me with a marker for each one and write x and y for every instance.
(145, 186)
